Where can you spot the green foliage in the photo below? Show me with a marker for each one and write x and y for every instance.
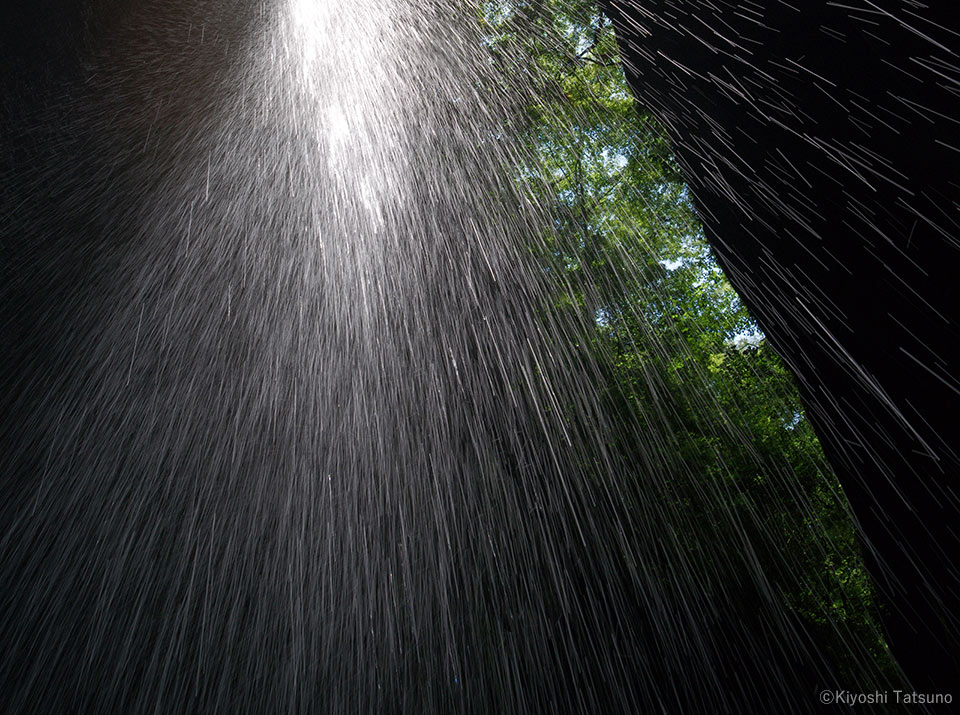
(628, 255)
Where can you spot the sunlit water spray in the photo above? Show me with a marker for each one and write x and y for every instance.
(304, 432)
(351, 87)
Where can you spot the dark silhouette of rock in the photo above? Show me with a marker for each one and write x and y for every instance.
(820, 143)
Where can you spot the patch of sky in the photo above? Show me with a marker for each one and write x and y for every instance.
(747, 339)
(614, 159)
(791, 424)
(672, 264)
(496, 12)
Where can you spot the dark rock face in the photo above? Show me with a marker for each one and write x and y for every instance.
(820, 142)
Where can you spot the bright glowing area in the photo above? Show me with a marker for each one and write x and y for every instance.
(345, 83)
(338, 125)
(313, 15)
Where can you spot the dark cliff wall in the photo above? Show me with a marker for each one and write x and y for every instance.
(821, 145)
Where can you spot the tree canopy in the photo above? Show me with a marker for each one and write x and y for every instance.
(677, 347)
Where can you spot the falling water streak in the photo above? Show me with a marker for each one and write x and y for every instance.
(373, 476)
